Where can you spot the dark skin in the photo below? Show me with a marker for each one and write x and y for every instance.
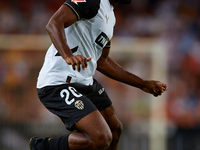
(98, 130)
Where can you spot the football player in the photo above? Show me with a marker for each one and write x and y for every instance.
(81, 33)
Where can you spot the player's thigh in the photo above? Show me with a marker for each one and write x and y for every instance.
(112, 120)
(94, 126)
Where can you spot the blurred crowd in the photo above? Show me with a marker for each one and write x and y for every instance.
(176, 22)
(26, 17)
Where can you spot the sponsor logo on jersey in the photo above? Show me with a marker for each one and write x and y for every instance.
(102, 39)
(77, 1)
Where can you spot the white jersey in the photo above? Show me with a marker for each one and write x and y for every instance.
(87, 36)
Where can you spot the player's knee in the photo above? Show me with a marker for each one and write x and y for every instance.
(117, 130)
(103, 141)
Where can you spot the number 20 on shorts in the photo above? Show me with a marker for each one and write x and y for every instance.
(65, 93)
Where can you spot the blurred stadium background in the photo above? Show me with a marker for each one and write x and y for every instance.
(155, 39)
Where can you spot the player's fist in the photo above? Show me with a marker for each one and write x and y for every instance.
(154, 87)
(78, 60)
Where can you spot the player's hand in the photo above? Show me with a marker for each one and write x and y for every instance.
(155, 88)
(78, 60)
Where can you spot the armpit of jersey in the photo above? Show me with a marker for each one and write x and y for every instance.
(84, 8)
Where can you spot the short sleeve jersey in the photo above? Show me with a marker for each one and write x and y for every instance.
(88, 36)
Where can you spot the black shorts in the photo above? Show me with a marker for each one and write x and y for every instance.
(73, 101)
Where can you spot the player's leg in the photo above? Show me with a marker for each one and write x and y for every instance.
(94, 133)
(114, 124)
(76, 111)
(101, 100)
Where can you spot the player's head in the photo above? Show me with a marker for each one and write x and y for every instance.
(123, 1)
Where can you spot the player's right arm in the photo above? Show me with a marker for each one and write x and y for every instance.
(63, 18)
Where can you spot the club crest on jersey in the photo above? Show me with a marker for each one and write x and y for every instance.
(79, 104)
(77, 1)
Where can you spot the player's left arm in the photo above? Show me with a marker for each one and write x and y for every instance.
(110, 68)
